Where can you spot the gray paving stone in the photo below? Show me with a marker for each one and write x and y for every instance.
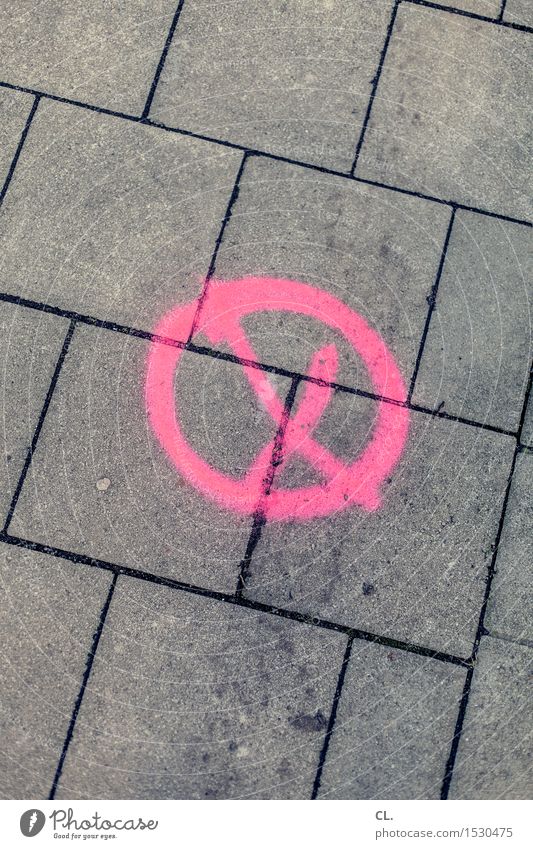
(519, 12)
(49, 612)
(30, 344)
(478, 349)
(451, 115)
(395, 723)
(102, 53)
(527, 428)
(14, 110)
(415, 568)
(234, 703)
(374, 250)
(112, 218)
(496, 747)
(510, 607)
(290, 77)
(101, 484)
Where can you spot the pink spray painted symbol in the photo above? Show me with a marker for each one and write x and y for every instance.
(345, 484)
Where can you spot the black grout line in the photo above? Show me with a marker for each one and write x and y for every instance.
(375, 83)
(18, 151)
(431, 300)
(211, 270)
(88, 667)
(498, 21)
(266, 155)
(332, 718)
(502, 10)
(508, 638)
(276, 459)
(450, 765)
(242, 601)
(162, 61)
(202, 350)
(39, 426)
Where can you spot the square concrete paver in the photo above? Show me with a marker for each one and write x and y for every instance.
(111, 218)
(519, 12)
(394, 726)
(451, 116)
(495, 755)
(415, 568)
(102, 53)
(375, 251)
(285, 76)
(477, 353)
(49, 612)
(233, 703)
(101, 484)
(30, 344)
(15, 108)
(510, 606)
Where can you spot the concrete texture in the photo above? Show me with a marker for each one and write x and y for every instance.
(103, 53)
(443, 124)
(101, 484)
(510, 607)
(15, 108)
(48, 613)
(376, 251)
(527, 429)
(519, 12)
(110, 218)
(251, 75)
(415, 569)
(30, 344)
(476, 357)
(396, 710)
(496, 747)
(235, 703)
(489, 8)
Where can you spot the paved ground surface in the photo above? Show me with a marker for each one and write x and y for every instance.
(163, 641)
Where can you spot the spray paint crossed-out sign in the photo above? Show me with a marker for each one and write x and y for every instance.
(344, 484)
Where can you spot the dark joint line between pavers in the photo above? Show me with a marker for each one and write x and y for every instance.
(162, 60)
(39, 426)
(242, 601)
(18, 151)
(448, 775)
(508, 638)
(502, 10)
(88, 667)
(474, 15)
(264, 154)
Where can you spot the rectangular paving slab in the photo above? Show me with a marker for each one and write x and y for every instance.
(30, 345)
(102, 53)
(451, 115)
(50, 609)
(394, 726)
(510, 606)
(15, 108)
(477, 352)
(415, 568)
(111, 218)
(233, 703)
(101, 484)
(495, 751)
(289, 77)
(375, 251)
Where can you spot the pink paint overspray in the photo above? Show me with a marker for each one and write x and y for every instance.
(345, 484)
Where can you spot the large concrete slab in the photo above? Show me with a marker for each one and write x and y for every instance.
(496, 748)
(49, 612)
(415, 568)
(292, 78)
(374, 250)
(510, 606)
(395, 723)
(101, 53)
(519, 12)
(451, 116)
(111, 218)
(101, 484)
(234, 704)
(478, 350)
(14, 110)
(30, 344)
